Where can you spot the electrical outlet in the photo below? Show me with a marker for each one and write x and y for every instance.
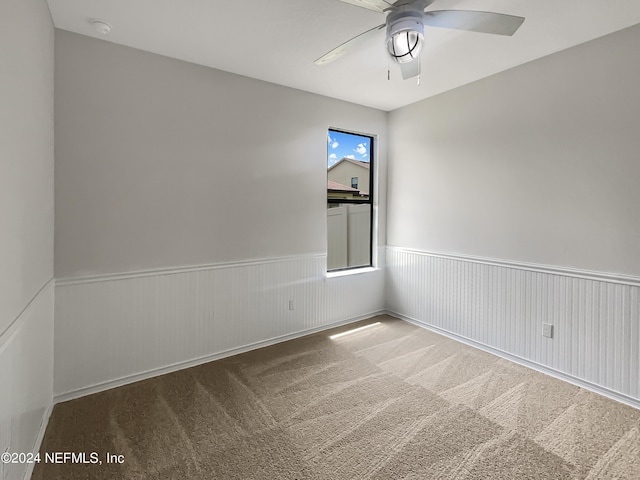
(547, 330)
(291, 305)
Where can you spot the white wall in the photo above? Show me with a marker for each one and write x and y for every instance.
(26, 225)
(535, 166)
(162, 165)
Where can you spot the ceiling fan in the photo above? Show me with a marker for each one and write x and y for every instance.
(405, 24)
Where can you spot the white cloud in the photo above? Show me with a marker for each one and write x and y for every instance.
(334, 145)
(332, 162)
(333, 155)
(329, 138)
(362, 149)
(353, 157)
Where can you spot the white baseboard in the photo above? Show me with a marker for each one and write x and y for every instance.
(632, 402)
(235, 351)
(100, 387)
(38, 443)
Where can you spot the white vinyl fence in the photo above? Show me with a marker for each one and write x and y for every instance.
(349, 230)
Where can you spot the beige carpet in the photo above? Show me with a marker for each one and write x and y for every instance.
(390, 402)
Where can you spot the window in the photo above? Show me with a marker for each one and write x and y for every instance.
(349, 200)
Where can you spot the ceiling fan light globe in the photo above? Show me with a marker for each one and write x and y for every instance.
(405, 46)
(405, 33)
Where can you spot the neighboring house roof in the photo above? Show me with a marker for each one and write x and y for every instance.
(350, 160)
(338, 187)
(335, 187)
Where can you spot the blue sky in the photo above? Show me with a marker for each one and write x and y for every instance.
(340, 145)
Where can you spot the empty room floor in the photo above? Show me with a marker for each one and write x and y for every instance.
(392, 401)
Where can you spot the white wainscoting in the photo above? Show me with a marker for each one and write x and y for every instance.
(26, 381)
(115, 329)
(501, 306)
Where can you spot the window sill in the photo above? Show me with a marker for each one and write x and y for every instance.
(353, 271)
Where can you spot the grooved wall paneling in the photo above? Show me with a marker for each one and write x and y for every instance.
(114, 328)
(26, 380)
(596, 322)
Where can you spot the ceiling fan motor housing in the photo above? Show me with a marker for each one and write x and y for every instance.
(405, 33)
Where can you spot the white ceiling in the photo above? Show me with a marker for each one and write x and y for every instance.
(278, 40)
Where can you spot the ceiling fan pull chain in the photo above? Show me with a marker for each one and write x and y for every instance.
(388, 68)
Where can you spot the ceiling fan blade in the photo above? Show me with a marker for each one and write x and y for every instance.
(375, 5)
(483, 22)
(348, 45)
(410, 69)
